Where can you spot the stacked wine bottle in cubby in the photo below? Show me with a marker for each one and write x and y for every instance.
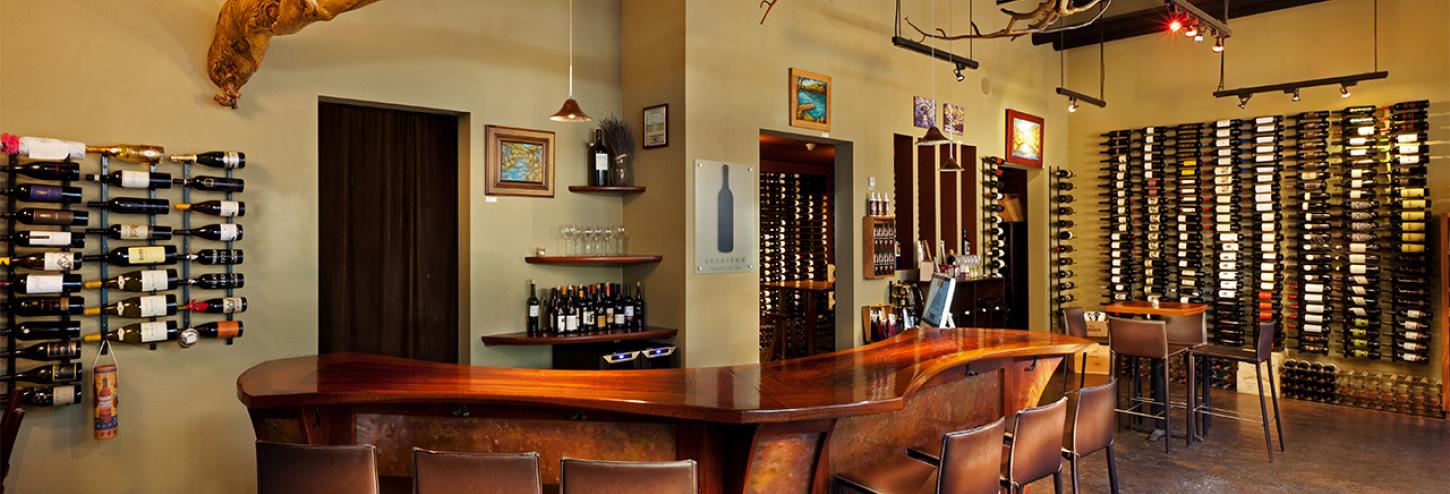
(1060, 187)
(1117, 209)
(994, 247)
(57, 224)
(1327, 383)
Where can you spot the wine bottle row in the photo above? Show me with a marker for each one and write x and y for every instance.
(585, 309)
(994, 245)
(1060, 230)
(1327, 383)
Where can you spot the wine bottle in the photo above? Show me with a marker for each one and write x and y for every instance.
(50, 396)
(44, 193)
(219, 281)
(135, 153)
(139, 333)
(133, 205)
(47, 374)
(32, 284)
(215, 159)
(221, 232)
(222, 305)
(44, 306)
(598, 160)
(215, 184)
(141, 255)
(132, 179)
(217, 256)
(134, 232)
(151, 280)
(48, 170)
(639, 306)
(43, 330)
(50, 350)
(221, 329)
(533, 309)
(225, 209)
(138, 307)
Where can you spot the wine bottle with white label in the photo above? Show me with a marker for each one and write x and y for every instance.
(215, 159)
(598, 160)
(138, 307)
(141, 255)
(31, 238)
(138, 333)
(34, 284)
(51, 396)
(222, 305)
(150, 280)
(45, 261)
(225, 209)
(221, 232)
(132, 179)
(134, 232)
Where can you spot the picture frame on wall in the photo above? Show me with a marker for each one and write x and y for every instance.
(810, 100)
(518, 162)
(656, 125)
(1024, 139)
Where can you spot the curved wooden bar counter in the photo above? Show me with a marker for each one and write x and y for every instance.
(776, 427)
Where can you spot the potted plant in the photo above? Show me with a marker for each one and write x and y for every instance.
(620, 141)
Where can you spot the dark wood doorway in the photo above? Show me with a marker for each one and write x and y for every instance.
(387, 232)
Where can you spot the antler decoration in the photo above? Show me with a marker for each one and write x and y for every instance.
(1039, 20)
(245, 27)
(768, 4)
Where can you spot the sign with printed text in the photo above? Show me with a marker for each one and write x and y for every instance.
(726, 240)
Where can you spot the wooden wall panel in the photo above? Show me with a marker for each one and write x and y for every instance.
(905, 201)
(950, 230)
(971, 195)
(926, 186)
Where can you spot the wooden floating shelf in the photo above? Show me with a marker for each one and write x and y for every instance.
(606, 189)
(648, 333)
(593, 260)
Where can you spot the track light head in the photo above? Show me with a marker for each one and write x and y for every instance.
(1218, 44)
(1244, 101)
(1072, 105)
(1296, 95)
(1344, 90)
(960, 76)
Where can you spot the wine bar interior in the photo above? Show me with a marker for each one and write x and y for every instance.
(596, 246)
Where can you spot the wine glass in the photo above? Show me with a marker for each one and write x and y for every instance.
(566, 240)
(623, 234)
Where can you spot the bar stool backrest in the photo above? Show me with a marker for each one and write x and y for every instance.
(627, 477)
(1189, 330)
(310, 469)
(1138, 338)
(1037, 442)
(1074, 321)
(1093, 420)
(971, 460)
(1265, 348)
(439, 472)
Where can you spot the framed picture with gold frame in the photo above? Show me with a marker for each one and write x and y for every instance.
(518, 162)
(1024, 139)
(810, 100)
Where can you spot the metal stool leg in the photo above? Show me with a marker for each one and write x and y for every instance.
(1072, 463)
(1274, 392)
(1056, 481)
(1112, 470)
(1082, 373)
(1264, 412)
(1168, 412)
(1189, 415)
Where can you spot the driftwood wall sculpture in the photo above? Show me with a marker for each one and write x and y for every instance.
(244, 28)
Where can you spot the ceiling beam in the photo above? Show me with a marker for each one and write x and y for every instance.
(1151, 21)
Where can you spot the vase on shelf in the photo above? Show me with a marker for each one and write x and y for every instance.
(619, 175)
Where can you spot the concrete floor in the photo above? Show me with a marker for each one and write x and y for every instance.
(1328, 449)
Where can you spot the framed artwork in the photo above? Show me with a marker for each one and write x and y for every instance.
(954, 120)
(1024, 139)
(810, 100)
(656, 126)
(518, 162)
(923, 112)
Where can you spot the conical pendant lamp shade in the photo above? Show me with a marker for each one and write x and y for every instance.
(570, 112)
(950, 165)
(933, 137)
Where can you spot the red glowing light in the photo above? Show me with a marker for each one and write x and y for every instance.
(1175, 25)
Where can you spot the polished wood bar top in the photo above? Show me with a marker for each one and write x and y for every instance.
(870, 379)
(1145, 308)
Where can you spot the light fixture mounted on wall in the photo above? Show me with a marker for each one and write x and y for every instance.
(1293, 88)
(570, 111)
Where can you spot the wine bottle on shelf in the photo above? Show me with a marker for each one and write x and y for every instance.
(639, 306)
(139, 333)
(49, 396)
(133, 232)
(141, 255)
(598, 160)
(138, 307)
(32, 284)
(214, 184)
(215, 159)
(150, 280)
(132, 179)
(217, 256)
(43, 330)
(221, 232)
(220, 329)
(135, 153)
(533, 309)
(50, 350)
(218, 281)
(44, 306)
(225, 209)
(44, 193)
(48, 170)
(133, 205)
(47, 374)
(221, 305)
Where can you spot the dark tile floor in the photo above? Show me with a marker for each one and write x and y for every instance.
(1328, 449)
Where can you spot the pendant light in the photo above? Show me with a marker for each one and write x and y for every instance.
(570, 112)
(950, 164)
(933, 136)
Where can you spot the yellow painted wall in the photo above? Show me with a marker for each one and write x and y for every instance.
(1167, 80)
(132, 71)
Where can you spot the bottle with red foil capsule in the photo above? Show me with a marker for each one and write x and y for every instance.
(222, 305)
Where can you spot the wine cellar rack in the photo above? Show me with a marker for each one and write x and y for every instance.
(796, 232)
(1060, 234)
(994, 253)
(155, 318)
(879, 247)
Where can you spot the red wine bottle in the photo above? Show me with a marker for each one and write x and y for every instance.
(218, 281)
(222, 305)
(132, 179)
(134, 232)
(44, 193)
(43, 330)
(44, 306)
(52, 396)
(217, 256)
(221, 232)
(225, 209)
(48, 374)
(214, 159)
(133, 205)
(50, 350)
(213, 184)
(46, 239)
(48, 170)
(39, 216)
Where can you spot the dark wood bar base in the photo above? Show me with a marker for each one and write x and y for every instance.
(778, 427)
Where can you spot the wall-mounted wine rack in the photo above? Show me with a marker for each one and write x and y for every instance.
(1060, 233)
(46, 293)
(994, 247)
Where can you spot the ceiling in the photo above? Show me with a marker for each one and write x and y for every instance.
(1130, 18)
(785, 149)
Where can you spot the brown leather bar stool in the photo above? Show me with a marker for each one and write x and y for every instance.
(970, 463)
(437, 472)
(1260, 355)
(1093, 427)
(627, 477)
(1149, 340)
(1032, 449)
(1074, 323)
(309, 469)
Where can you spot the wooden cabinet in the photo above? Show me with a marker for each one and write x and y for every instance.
(878, 243)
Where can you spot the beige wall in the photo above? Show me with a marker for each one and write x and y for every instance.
(1160, 80)
(736, 86)
(132, 71)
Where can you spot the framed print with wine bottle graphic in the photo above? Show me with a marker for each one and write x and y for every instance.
(810, 100)
(726, 240)
(518, 162)
(1024, 139)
